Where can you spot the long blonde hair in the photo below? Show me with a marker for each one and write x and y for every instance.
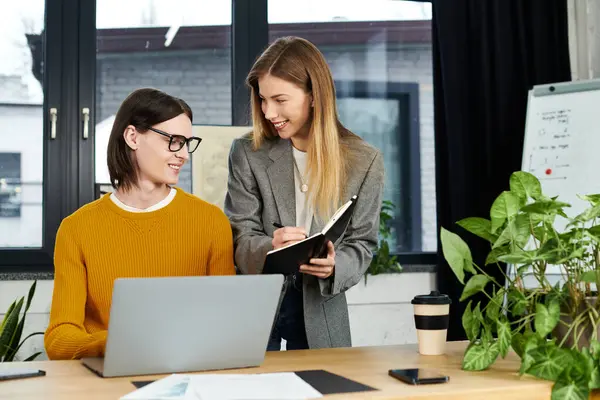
(298, 61)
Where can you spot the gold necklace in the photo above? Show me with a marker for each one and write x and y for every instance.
(304, 187)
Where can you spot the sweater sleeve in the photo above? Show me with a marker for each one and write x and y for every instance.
(221, 252)
(66, 337)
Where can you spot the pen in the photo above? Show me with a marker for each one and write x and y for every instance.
(276, 225)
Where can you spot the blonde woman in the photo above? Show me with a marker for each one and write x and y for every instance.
(294, 170)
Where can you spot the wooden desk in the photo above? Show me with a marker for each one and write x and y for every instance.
(69, 380)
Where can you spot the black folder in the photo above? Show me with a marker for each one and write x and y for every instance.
(322, 381)
(327, 383)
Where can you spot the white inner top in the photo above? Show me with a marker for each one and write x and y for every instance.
(303, 212)
(164, 202)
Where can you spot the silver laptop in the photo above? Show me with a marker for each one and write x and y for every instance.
(186, 324)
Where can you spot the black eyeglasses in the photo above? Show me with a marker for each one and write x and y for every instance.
(176, 142)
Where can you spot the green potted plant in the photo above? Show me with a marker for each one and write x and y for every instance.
(11, 328)
(552, 328)
(383, 261)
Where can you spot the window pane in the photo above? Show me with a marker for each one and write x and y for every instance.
(175, 46)
(378, 55)
(21, 125)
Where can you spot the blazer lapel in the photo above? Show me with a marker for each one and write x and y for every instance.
(281, 177)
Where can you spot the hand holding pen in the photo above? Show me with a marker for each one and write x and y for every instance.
(320, 267)
(287, 235)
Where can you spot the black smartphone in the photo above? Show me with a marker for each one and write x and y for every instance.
(418, 376)
(20, 373)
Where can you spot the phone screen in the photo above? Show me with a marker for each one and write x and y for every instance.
(418, 376)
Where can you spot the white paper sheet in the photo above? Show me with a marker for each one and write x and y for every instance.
(276, 386)
(172, 387)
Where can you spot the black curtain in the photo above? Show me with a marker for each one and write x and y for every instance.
(487, 54)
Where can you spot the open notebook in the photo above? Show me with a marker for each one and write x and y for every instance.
(287, 260)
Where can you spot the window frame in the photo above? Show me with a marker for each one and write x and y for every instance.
(407, 95)
(56, 164)
(69, 85)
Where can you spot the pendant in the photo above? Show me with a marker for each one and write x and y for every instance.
(304, 188)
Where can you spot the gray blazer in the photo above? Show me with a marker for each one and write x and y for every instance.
(261, 191)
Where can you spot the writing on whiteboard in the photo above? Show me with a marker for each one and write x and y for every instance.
(550, 157)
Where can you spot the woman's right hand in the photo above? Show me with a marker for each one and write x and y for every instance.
(287, 235)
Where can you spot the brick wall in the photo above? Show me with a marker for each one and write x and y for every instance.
(203, 79)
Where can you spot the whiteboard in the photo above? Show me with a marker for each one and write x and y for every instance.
(562, 140)
(210, 169)
(562, 143)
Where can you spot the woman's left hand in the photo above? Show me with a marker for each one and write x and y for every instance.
(321, 267)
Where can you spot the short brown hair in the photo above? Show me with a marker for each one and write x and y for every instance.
(143, 109)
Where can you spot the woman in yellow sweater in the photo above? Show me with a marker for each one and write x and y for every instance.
(145, 228)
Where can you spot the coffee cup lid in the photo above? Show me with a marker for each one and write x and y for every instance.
(434, 297)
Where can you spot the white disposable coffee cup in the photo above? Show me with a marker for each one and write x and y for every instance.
(432, 313)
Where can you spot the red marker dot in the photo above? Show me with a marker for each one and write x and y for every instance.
(548, 171)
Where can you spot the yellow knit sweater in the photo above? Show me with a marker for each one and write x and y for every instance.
(101, 242)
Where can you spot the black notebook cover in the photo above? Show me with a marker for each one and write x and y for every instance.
(323, 381)
(289, 259)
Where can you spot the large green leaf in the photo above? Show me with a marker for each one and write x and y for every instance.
(536, 219)
(487, 334)
(457, 254)
(493, 255)
(527, 360)
(30, 296)
(11, 351)
(480, 356)
(6, 315)
(550, 249)
(573, 254)
(492, 311)
(519, 257)
(594, 199)
(545, 207)
(10, 342)
(475, 285)
(32, 357)
(525, 185)
(594, 237)
(504, 337)
(480, 227)
(504, 207)
(10, 328)
(588, 215)
(567, 246)
(546, 318)
(594, 230)
(571, 385)
(518, 343)
(540, 232)
(471, 322)
(516, 232)
(518, 302)
(549, 361)
(586, 360)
